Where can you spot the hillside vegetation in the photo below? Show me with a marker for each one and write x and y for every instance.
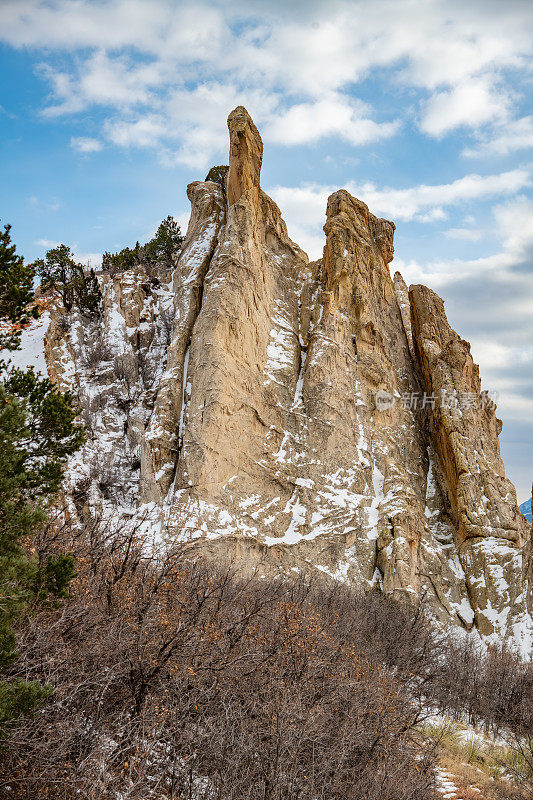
(171, 678)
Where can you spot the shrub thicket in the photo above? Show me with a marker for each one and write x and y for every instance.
(175, 679)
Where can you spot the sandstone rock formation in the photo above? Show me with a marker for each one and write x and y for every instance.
(296, 415)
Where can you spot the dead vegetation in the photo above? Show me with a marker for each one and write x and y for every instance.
(175, 679)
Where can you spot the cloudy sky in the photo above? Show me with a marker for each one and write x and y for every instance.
(422, 108)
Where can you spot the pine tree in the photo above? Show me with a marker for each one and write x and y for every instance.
(159, 250)
(59, 272)
(166, 242)
(16, 292)
(87, 292)
(37, 434)
(218, 175)
(123, 260)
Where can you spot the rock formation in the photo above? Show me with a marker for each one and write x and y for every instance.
(293, 415)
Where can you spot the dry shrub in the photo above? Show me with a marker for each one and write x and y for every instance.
(493, 689)
(175, 679)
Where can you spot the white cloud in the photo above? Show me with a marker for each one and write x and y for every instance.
(48, 244)
(500, 368)
(85, 144)
(515, 223)
(191, 129)
(333, 115)
(182, 218)
(65, 24)
(64, 91)
(409, 203)
(304, 207)
(469, 104)
(497, 356)
(144, 132)
(105, 80)
(117, 81)
(500, 141)
(305, 59)
(514, 227)
(465, 234)
(445, 41)
(52, 204)
(87, 259)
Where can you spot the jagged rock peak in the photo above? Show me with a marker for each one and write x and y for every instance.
(381, 230)
(290, 415)
(245, 155)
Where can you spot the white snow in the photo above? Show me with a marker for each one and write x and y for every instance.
(378, 481)
(282, 452)
(278, 353)
(31, 353)
(297, 401)
(184, 396)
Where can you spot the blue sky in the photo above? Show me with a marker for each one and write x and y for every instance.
(422, 108)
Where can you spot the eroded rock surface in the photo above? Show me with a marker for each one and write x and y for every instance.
(296, 415)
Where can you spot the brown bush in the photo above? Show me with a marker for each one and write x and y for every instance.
(173, 679)
(493, 688)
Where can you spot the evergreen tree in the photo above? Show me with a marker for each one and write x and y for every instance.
(166, 242)
(218, 175)
(124, 259)
(59, 272)
(87, 292)
(37, 434)
(16, 292)
(161, 249)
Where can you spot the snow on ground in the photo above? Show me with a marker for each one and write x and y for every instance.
(31, 353)
(447, 787)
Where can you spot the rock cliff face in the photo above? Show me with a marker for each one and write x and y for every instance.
(296, 415)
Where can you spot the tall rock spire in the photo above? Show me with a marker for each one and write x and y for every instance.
(245, 155)
(294, 415)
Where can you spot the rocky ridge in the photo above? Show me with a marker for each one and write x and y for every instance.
(294, 415)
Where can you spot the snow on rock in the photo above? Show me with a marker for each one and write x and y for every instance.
(231, 399)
